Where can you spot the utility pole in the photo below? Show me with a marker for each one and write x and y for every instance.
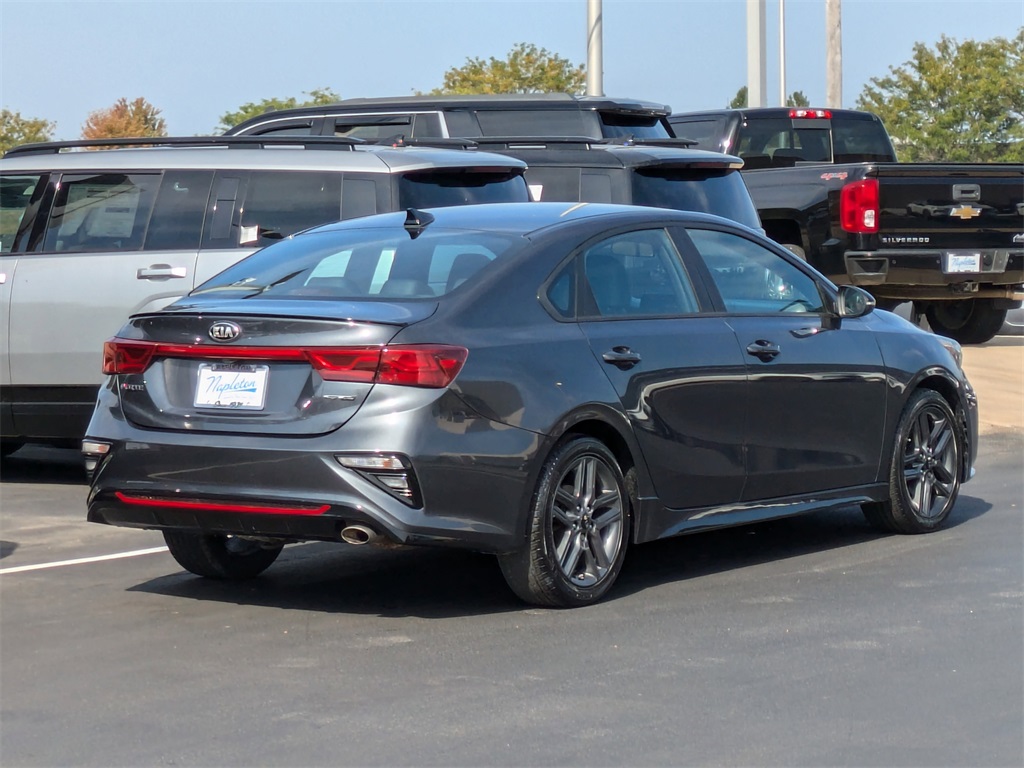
(595, 54)
(833, 54)
(757, 82)
(782, 53)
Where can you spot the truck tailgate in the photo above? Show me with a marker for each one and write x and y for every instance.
(951, 205)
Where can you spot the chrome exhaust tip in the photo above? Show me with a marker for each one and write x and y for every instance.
(357, 535)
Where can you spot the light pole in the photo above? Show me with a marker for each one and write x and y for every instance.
(782, 53)
(595, 54)
(833, 54)
(757, 83)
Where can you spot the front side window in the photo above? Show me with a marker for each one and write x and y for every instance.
(752, 279)
(16, 194)
(101, 211)
(635, 274)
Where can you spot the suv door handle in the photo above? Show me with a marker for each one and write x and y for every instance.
(765, 351)
(158, 271)
(622, 358)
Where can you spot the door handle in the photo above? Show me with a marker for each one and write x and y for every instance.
(621, 357)
(765, 351)
(161, 271)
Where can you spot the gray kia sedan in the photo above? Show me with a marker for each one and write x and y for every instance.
(548, 382)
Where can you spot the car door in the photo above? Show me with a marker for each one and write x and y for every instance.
(678, 373)
(817, 385)
(94, 268)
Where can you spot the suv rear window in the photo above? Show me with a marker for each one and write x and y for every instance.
(439, 189)
(719, 192)
(363, 264)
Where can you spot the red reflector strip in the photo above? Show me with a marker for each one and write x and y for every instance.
(215, 506)
(804, 113)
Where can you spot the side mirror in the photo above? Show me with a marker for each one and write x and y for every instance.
(854, 302)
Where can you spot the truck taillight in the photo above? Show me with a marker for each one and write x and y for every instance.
(823, 114)
(858, 206)
(410, 365)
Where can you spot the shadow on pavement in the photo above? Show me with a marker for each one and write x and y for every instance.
(434, 583)
(43, 464)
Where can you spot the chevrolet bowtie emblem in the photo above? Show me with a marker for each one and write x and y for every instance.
(965, 212)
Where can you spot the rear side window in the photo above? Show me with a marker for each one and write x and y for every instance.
(538, 122)
(16, 194)
(281, 203)
(636, 274)
(177, 221)
(102, 211)
(439, 189)
(752, 279)
(637, 126)
(364, 264)
(706, 191)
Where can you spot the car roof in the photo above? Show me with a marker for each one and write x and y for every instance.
(774, 112)
(528, 218)
(369, 158)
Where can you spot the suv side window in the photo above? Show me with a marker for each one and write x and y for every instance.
(281, 203)
(16, 194)
(101, 211)
(752, 279)
(177, 220)
(636, 274)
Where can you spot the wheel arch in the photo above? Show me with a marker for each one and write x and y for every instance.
(939, 380)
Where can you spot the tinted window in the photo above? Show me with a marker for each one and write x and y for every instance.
(438, 189)
(16, 193)
(107, 211)
(373, 127)
(786, 141)
(720, 192)
(177, 221)
(707, 132)
(636, 274)
(539, 122)
(752, 279)
(860, 141)
(554, 184)
(280, 203)
(364, 264)
(303, 128)
(633, 125)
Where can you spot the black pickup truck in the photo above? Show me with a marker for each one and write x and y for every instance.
(826, 183)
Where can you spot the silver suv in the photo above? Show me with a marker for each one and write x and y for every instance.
(89, 238)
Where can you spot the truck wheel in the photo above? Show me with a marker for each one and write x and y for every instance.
(924, 470)
(579, 528)
(969, 321)
(220, 557)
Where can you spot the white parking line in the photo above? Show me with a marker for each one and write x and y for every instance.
(81, 560)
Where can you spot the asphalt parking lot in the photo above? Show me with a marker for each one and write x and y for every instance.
(809, 641)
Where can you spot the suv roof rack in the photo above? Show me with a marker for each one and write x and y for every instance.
(439, 142)
(588, 142)
(229, 142)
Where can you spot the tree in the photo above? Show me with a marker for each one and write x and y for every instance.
(961, 101)
(15, 130)
(797, 99)
(739, 101)
(125, 119)
(527, 69)
(253, 109)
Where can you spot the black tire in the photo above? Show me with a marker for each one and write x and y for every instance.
(217, 556)
(578, 529)
(925, 469)
(969, 321)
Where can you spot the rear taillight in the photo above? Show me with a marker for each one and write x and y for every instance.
(823, 114)
(858, 206)
(411, 365)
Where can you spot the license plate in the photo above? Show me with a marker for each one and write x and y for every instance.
(962, 262)
(239, 387)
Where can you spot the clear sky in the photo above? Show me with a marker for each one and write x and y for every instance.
(197, 60)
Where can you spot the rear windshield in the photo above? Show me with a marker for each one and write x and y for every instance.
(363, 264)
(722, 193)
(637, 126)
(440, 189)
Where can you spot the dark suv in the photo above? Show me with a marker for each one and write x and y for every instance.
(539, 114)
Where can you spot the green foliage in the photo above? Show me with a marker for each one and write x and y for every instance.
(739, 101)
(316, 97)
(125, 119)
(528, 69)
(15, 130)
(797, 99)
(958, 102)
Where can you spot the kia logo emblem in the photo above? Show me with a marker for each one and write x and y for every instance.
(224, 331)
